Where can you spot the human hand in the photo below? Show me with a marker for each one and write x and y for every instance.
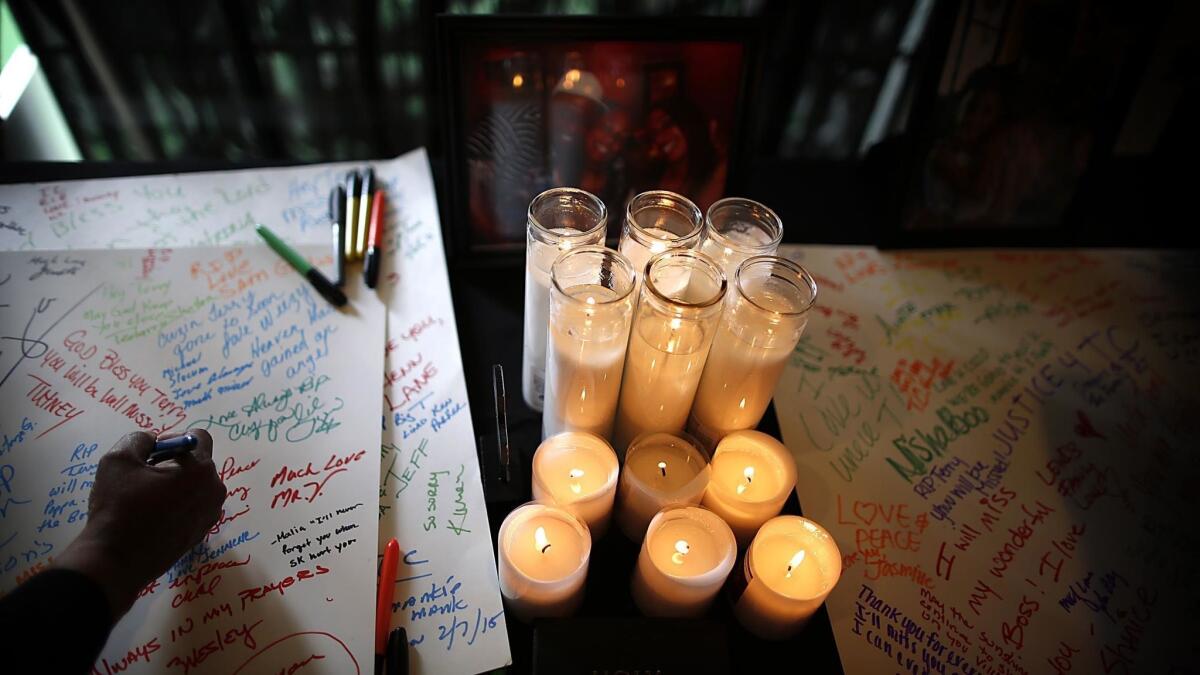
(142, 518)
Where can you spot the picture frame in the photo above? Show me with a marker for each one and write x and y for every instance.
(614, 105)
(1005, 134)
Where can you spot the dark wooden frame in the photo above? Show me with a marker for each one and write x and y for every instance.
(453, 31)
(1068, 231)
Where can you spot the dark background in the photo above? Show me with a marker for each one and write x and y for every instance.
(204, 83)
(149, 87)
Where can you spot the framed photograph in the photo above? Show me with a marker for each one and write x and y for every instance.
(614, 106)
(1026, 98)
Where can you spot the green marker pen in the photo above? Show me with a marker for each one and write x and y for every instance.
(325, 287)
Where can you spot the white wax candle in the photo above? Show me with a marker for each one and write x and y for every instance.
(560, 219)
(756, 335)
(737, 385)
(589, 331)
(672, 332)
(657, 221)
(639, 254)
(685, 558)
(661, 470)
(736, 229)
(543, 556)
(790, 568)
(660, 383)
(577, 471)
(537, 311)
(752, 476)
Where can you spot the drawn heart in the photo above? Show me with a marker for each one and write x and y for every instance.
(862, 509)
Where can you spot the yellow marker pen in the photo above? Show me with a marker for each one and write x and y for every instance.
(352, 188)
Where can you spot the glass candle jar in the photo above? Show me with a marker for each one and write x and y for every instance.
(577, 471)
(736, 228)
(542, 559)
(559, 220)
(661, 471)
(658, 221)
(591, 308)
(685, 558)
(763, 321)
(790, 569)
(673, 328)
(752, 475)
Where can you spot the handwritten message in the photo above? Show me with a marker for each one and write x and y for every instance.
(1000, 443)
(275, 398)
(427, 439)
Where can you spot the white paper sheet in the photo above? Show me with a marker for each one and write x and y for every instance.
(97, 344)
(448, 598)
(1000, 443)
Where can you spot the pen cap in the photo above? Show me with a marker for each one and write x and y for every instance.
(337, 202)
(368, 181)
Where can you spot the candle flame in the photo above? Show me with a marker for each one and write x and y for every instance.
(518, 80)
(749, 474)
(575, 486)
(591, 300)
(681, 549)
(662, 466)
(676, 323)
(796, 560)
(539, 538)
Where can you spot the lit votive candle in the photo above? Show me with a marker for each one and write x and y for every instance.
(658, 221)
(764, 318)
(661, 470)
(577, 471)
(543, 560)
(790, 568)
(673, 328)
(685, 558)
(591, 308)
(752, 476)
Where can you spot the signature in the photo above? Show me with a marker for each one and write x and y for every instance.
(298, 423)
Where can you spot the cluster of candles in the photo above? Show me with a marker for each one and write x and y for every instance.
(668, 350)
(690, 515)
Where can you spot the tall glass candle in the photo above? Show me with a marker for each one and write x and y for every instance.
(577, 471)
(790, 569)
(559, 220)
(661, 470)
(658, 221)
(736, 228)
(543, 554)
(762, 323)
(685, 558)
(591, 307)
(752, 476)
(673, 328)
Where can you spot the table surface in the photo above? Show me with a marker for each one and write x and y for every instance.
(488, 306)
